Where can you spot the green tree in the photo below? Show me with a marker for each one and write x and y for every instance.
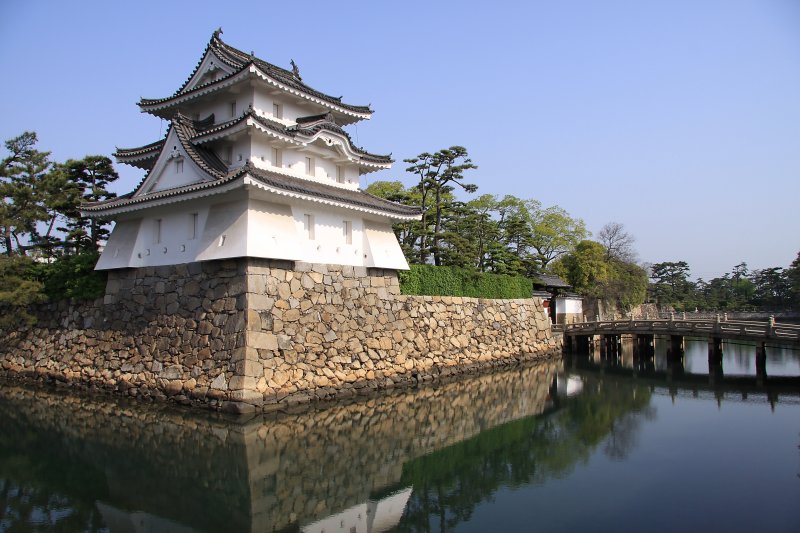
(438, 174)
(793, 276)
(772, 289)
(670, 283)
(586, 269)
(88, 178)
(555, 233)
(626, 285)
(17, 291)
(22, 174)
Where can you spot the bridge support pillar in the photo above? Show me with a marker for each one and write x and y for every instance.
(715, 348)
(566, 347)
(715, 371)
(761, 364)
(610, 345)
(676, 345)
(644, 345)
(581, 344)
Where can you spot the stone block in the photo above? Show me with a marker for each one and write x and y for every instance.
(245, 353)
(249, 367)
(238, 408)
(262, 340)
(242, 382)
(219, 383)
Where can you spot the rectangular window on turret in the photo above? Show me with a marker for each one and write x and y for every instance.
(233, 109)
(192, 226)
(308, 226)
(229, 155)
(310, 166)
(179, 166)
(276, 157)
(347, 232)
(277, 110)
(339, 174)
(157, 231)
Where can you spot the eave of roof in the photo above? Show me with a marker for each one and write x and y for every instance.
(142, 156)
(241, 62)
(275, 183)
(185, 129)
(548, 280)
(295, 134)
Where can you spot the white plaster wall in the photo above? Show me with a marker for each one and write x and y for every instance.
(272, 231)
(165, 175)
(220, 104)
(238, 225)
(242, 151)
(293, 162)
(381, 249)
(571, 305)
(225, 231)
(292, 110)
(118, 251)
(132, 243)
(210, 59)
(329, 244)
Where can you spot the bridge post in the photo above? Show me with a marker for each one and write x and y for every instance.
(582, 343)
(715, 371)
(610, 345)
(643, 345)
(715, 348)
(761, 364)
(676, 345)
(675, 356)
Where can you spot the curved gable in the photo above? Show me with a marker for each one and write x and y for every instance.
(173, 168)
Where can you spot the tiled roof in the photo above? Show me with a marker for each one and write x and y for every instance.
(276, 182)
(205, 159)
(239, 61)
(311, 125)
(547, 280)
(142, 156)
(306, 126)
(185, 129)
(330, 192)
(146, 156)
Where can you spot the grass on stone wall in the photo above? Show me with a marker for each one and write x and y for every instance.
(430, 280)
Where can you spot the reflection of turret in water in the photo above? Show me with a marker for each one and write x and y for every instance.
(269, 472)
(372, 516)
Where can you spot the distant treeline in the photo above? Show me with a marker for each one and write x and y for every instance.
(767, 289)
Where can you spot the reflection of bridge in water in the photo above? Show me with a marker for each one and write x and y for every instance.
(605, 337)
(640, 366)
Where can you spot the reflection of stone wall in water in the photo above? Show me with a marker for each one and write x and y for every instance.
(277, 469)
(252, 332)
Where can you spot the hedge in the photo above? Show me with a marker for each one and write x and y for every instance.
(430, 280)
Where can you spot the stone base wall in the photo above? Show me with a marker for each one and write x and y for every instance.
(159, 332)
(251, 334)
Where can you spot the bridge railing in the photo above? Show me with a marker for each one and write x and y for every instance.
(729, 328)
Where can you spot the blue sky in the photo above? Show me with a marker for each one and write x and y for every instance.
(678, 118)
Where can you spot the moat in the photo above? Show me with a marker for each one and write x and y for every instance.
(555, 446)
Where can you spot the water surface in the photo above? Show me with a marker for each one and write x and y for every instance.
(559, 446)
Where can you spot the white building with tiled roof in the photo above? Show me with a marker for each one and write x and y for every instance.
(255, 164)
